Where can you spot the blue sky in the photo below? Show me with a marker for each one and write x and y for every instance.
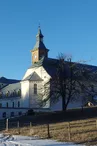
(68, 26)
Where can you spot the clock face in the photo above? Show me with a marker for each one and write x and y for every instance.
(35, 56)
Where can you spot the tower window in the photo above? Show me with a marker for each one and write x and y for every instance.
(35, 88)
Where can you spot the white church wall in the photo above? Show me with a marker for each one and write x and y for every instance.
(27, 87)
(34, 98)
(4, 102)
(46, 77)
(25, 94)
(40, 71)
(28, 72)
(43, 74)
(6, 107)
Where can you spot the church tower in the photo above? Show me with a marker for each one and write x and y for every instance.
(39, 49)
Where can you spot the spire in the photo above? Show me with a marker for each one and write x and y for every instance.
(39, 49)
(39, 36)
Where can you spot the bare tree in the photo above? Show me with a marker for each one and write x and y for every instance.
(70, 81)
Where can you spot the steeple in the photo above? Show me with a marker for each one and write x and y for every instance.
(39, 49)
(39, 36)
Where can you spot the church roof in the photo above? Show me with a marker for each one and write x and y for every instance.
(8, 81)
(33, 77)
(11, 87)
(51, 66)
(39, 45)
(39, 41)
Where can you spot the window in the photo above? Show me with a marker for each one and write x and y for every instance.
(35, 88)
(13, 93)
(7, 104)
(12, 114)
(0, 104)
(19, 92)
(13, 104)
(4, 115)
(7, 94)
(18, 103)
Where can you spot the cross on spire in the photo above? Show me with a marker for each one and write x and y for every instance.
(39, 35)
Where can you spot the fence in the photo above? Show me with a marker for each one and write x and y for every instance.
(69, 130)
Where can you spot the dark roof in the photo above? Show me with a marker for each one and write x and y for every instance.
(51, 65)
(39, 34)
(39, 45)
(11, 87)
(39, 42)
(33, 77)
(8, 81)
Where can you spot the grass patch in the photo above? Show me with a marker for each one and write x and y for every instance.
(81, 131)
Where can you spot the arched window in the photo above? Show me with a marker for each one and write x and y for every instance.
(19, 92)
(13, 93)
(7, 104)
(4, 115)
(35, 88)
(13, 104)
(12, 114)
(18, 103)
(7, 94)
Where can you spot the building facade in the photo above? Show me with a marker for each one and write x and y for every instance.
(16, 97)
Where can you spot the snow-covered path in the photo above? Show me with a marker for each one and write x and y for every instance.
(17, 140)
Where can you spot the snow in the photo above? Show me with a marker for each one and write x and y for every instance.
(17, 140)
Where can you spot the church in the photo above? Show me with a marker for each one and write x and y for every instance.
(17, 97)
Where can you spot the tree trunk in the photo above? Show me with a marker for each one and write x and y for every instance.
(63, 104)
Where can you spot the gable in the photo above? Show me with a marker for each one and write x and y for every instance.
(33, 77)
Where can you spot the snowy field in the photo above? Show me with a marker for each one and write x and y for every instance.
(17, 140)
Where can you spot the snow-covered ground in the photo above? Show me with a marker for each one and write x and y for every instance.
(17, 140)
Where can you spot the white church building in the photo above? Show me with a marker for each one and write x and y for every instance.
(17, 97)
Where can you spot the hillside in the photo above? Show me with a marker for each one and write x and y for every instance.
(73, 126)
